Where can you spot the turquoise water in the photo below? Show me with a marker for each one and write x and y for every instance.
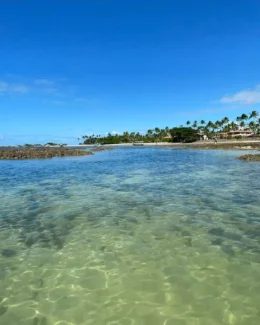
(153, 236)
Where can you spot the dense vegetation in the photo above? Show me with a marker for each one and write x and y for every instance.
(181, 133)
(36, 145)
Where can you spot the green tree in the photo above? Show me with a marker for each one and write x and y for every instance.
(243, 117)
(253, 115)
(183, 134)
(242, 124)
(195, 124)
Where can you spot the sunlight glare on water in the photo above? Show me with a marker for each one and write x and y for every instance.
(134, 236)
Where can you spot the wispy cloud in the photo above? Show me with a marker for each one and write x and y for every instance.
(58, 102)
(81, 100)
(58, 91)
(248, 96)
(8, 88)
(45, 82)
(90, 101)
(3, 87)
(37, 86)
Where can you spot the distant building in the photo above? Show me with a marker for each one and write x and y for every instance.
(202, 136)
(235, 133)
(167, 137)
(242, 133)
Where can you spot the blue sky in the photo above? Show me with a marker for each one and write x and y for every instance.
(74, 67)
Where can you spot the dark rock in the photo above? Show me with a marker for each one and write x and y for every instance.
(43, 321)
(253, 233)
(226, 146)
(97, 149)
(41, 153)
(45, 239)
(147, 213)
(9, 252)
(188, 241)
(250, 157)
(34, 295)
(132, 219)
(232, 236)
(159, 237)
(174, 228)
(216, 231)
(35, 321)
(3, 310)
(31, 240)
(228, 250)
(185, 233)
(217, 241)
(70, 217)
(58, 242)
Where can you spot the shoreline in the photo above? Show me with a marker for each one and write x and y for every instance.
(12, 153)
(227, 145)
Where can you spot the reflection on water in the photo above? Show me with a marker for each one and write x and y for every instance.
(132, 236)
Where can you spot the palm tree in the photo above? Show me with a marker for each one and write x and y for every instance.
(195, 124)
(209, 126)
(233, 126)
(188, 123)
(254, 115)
(167, 130)
(218, 124)
(253, 126)
(201, 127)
(224, 122)
(244, 117)
(242, 124)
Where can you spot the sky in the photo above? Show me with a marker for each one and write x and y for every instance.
(71, 68)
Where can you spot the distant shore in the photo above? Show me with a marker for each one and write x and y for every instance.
(221, 144)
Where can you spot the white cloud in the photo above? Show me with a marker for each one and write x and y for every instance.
(114, 132)
(82, 100)
(44, 82)
(43, 86)
(6, 87)
(58, 102)
(3, 87)
(22, 89)
(248, 96)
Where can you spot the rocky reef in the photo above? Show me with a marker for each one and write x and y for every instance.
(226, 146)
(250, 157)
(39, 153)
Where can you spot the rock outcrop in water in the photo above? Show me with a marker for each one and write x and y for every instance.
(250, 157)
(39, 153)
(226, 146)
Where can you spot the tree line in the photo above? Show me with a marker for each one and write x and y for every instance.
(189, 132)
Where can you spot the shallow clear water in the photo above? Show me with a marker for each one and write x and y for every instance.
(151, 236)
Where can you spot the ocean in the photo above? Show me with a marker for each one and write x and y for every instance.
(133, 236)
